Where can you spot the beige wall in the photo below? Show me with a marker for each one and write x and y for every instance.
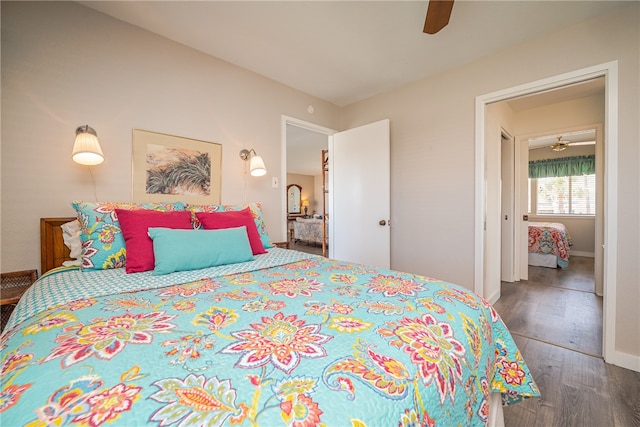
(433, 153)
(65, 65)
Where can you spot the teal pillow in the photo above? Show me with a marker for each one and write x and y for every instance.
(181, 250)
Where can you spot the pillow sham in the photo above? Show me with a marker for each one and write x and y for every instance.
(135, 231)
(256, 212)
(101, 237)
(182, 250)
(71, 239)
(219, 220)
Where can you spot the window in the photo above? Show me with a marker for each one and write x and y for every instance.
(565, 195)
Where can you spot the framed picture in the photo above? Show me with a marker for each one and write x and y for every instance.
(167, 168)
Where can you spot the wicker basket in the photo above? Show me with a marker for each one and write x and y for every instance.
(12, 286)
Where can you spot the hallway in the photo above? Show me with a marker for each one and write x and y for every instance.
(556, 306)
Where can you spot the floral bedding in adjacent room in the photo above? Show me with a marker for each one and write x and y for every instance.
(286, 340)
(550, 238)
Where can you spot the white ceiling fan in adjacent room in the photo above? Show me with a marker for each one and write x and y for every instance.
(560, 142)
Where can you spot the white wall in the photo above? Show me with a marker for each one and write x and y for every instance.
(65, 65)
(433, 144)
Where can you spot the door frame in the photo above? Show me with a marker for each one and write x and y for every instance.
(609, 71)
(284, 121)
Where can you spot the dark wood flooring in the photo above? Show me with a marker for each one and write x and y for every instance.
(556, 320)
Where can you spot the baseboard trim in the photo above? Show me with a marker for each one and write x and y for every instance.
(625, 360)
(582, 253)
(494, 297)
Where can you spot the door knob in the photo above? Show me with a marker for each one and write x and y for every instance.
(382, 222)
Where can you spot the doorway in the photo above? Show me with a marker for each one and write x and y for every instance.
(584, 219)
(487, 260)
(358, 225)
(568, 311)
(303, 145)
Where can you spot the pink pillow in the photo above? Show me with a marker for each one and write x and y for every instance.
(135, 228)
(230, 219)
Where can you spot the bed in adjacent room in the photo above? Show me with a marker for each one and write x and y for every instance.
(549, 244)
(308, 230)
(277, 337)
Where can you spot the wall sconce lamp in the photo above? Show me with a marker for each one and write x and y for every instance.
(256, 165)
(86, 149)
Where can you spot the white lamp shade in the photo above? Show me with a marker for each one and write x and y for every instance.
(256, 166)
(86, 150)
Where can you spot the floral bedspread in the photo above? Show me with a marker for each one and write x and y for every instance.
(550, 238)
(304, 343)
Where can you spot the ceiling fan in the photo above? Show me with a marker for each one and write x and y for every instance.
(438, 14)
(560, 145)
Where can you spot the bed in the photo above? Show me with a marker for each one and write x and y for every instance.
(549, 244)
(308, 230)
(285, 338)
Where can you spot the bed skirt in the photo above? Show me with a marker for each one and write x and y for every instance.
(543, 260)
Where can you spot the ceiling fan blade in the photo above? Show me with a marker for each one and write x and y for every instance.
(438, 14)
(582, 143)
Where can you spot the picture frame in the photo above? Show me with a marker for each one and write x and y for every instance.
(169, 168)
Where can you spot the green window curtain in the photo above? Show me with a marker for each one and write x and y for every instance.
(563, 166)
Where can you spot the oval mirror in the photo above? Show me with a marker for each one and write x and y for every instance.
(294, 198)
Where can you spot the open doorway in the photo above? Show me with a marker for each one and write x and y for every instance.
(557, 280)
(566, 187)
(487, 259)
(304, 144)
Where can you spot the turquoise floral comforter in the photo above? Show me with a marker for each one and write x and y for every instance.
(287, 340)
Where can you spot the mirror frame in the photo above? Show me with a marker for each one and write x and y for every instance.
(296, 203)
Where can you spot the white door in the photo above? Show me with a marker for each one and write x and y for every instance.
(359, 195)
(506, 194)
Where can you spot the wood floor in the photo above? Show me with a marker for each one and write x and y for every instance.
(556, 320)
(310, 248)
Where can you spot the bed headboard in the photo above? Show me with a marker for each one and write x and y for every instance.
(53, 251)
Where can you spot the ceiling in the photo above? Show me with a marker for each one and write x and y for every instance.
(304, 150)
(346, 51)
(580, 137)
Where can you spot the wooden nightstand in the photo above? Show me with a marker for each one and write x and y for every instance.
(12, 286)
